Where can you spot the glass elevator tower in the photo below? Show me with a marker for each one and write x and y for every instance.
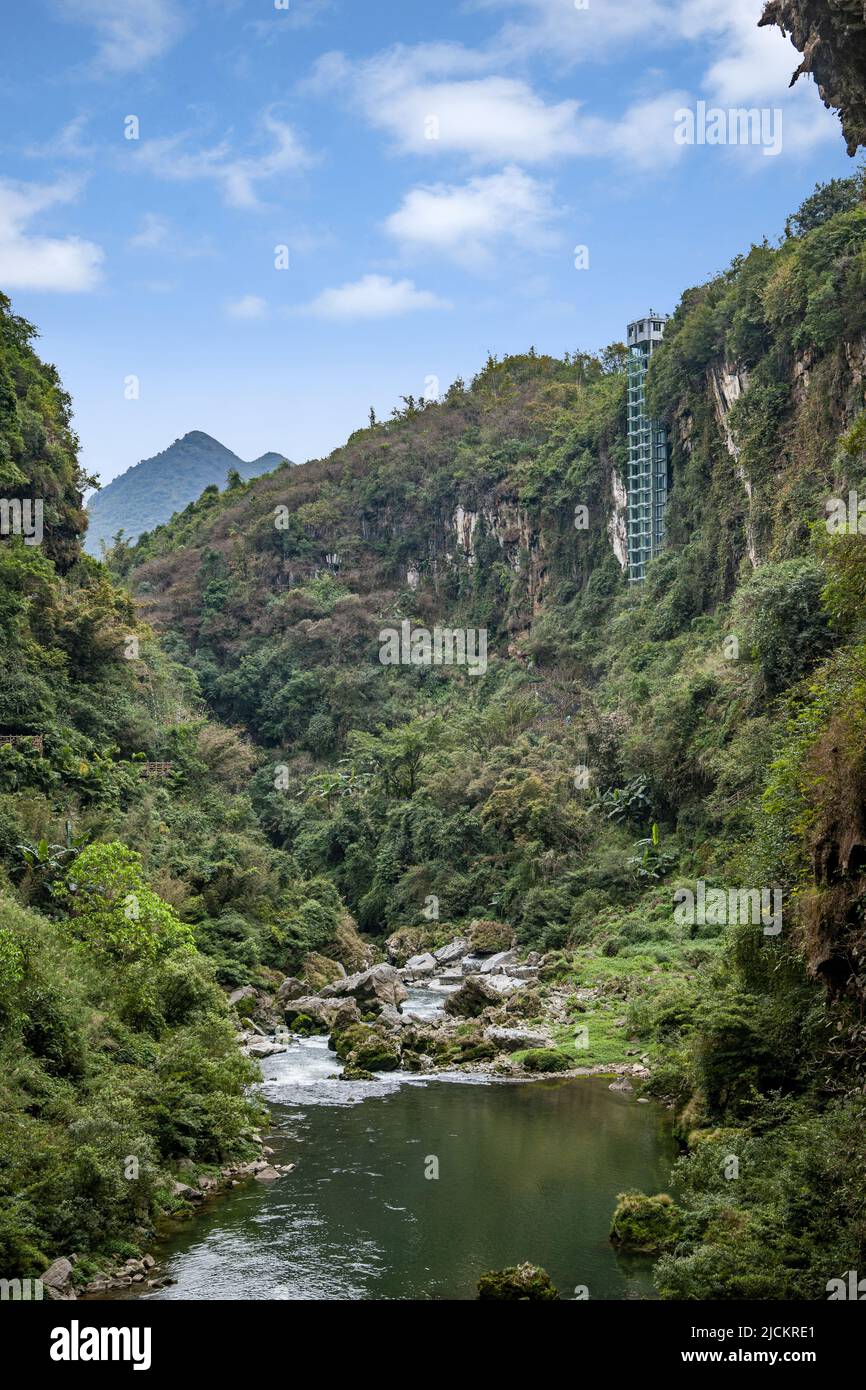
(647, 453)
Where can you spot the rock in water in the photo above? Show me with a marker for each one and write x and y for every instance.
(424, 964)
(379, 985)
(475, 995)
(524, 1283)
(453, 951)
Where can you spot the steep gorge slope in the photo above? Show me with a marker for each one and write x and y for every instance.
(718, 710)
(134, 881)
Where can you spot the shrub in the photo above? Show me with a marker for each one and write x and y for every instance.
(645, 1225)
(487, 937)
(546, 1059)
(519, 1283)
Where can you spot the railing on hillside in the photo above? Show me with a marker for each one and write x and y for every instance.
(13, 740)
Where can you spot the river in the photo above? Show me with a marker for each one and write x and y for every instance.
(526, 1171)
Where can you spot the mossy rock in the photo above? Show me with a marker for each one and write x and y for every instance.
(406, 942)
(523, 1283)
(343, 1040)
(487, 937)
(364, 1048)
(356, 1074)
(524, 1003)
(471, 1051)
(547, 1059)
(645, 1225)
(412, 1061)
(376, 1058)
(307, 1027)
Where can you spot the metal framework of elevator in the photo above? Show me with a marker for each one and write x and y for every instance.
(647, 452)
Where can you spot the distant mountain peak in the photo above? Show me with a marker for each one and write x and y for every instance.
(151, 491)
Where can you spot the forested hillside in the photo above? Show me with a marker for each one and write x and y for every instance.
(718, 710)
(134, 881)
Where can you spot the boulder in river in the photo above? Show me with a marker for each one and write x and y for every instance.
(372, 988)
(495, 964)
(391, 1017)
(474, 996)
(425, 964)
(265, 1048)
(453, 951)
(326, 1014)
(519, 1284)
(367, 1047)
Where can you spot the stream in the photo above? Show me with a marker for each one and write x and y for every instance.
(526, 1171)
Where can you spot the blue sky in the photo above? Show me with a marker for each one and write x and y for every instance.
(431, 169)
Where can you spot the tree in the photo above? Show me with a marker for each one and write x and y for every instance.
(396, 755)
(114, 911)
(839, 195)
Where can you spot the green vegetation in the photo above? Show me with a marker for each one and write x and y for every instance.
(719, 710)
(645, 1225)
(126, 900)
(520, 1283)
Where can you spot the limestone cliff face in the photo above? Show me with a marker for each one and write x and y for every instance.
(831, 35)
(726, 383)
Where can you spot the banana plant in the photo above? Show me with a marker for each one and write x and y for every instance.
(653, 862)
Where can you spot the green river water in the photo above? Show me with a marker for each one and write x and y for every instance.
(527, 1171)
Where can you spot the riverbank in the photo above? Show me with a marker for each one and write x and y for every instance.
(474, 1003)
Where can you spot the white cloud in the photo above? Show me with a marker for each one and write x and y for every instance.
(152, 233)
(467, 221)
(755, 64)
(235, 175)
(426, 101)
(66, 144)
(747, 66)
(643, 136)
(567, 34)
(249, 306)
(755, 69)
(130, 33)
(373, 297)
(447, 98)
(32, 262)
